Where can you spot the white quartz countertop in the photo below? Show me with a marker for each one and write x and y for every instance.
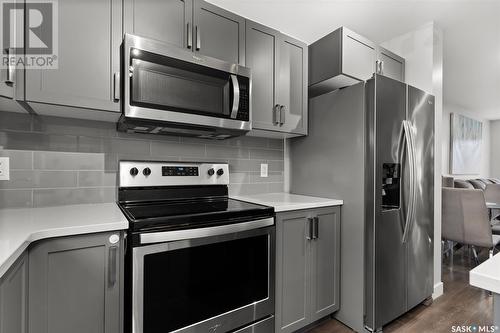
(487, 275)
(21, 226)
(283, 202)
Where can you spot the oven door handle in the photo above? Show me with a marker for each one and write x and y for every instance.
(236, 96)
(175, 235)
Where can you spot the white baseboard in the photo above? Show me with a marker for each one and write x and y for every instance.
(438, 290)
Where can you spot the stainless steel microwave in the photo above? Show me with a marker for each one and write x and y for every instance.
(169, 90)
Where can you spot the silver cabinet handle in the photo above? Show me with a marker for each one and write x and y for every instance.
(116, 87)
(112, 271)
(315, 228)
(189, 36)
(198, 39)
(276, 114)
(11, 70)
(282, 114)
(236, 96)
(310, 222)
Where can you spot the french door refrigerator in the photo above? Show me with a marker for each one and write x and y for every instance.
(372, 145)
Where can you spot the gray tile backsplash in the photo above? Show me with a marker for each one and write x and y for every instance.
(58, 161)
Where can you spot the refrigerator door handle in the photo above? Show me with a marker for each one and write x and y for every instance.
(407, 131)
(411, 130)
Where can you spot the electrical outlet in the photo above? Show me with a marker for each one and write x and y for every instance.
(4, 168)
(263, 170)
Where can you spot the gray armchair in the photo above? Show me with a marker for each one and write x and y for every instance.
(465, 219)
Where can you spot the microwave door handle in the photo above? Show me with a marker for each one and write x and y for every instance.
(236, 96)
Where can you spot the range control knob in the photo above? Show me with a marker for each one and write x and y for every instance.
(211, 171)
(146, 172)
(134, 172)
(220, 172)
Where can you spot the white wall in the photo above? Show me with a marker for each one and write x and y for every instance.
(422, 49)
(446, 141)
(495, 148)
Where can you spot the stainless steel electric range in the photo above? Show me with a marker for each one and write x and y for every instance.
(197, 260)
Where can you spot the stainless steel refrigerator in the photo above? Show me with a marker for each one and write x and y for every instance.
(372, 145)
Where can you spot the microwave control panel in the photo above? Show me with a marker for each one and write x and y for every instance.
(244, 106)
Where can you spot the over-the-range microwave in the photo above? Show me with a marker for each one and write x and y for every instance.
(169, 90)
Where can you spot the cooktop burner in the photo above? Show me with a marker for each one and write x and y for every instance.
(174, 196)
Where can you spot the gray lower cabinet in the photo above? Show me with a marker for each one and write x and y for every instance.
(76, 281)
(89, 37)
(307, 266)
(279, 67)
(13, 298)
(194, 25)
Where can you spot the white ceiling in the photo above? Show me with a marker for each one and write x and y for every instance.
(471, 30)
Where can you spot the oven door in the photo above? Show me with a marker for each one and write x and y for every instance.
(204, 280)
(168, 84)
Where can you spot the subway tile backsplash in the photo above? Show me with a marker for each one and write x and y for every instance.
(59, 161)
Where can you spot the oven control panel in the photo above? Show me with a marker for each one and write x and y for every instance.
(145, 173)
(174, 171)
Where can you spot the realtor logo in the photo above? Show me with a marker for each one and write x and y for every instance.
(29, 34)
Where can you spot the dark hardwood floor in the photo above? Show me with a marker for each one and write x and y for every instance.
(461, 304)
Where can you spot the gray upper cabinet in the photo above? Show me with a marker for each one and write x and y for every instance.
(292, 85)
(340, 59)
(13, 298)
(218, 33)
(390, 64)
(90, 34)
(279, 81)
(6, 83)
(343, 58)
(261, 58)
(169, 21)
(191, 24)
(307, 266)
(77, 281)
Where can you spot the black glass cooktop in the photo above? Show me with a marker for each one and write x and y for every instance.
(194, 213)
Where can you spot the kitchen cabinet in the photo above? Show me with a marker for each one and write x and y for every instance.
(169, 21)
(343, 58)
(77, 280)
(307, 266)
(340, 59)
(13, 298)
(89, 38)
(218, 33)
(390, 64)
(191, 24)
(279, 67)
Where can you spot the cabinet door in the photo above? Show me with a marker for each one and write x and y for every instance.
(325, 264)
(168, 21)
(292, 85)
(261, 58)
(76, 280)
(89, 48)
(218, 33)
(391, 65)
(292, 266)
(358, 55)
(13, 297)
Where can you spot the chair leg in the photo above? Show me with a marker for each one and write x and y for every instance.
(476, 259)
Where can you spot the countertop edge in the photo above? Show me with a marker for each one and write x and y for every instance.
(291, 206)
(58, 232)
